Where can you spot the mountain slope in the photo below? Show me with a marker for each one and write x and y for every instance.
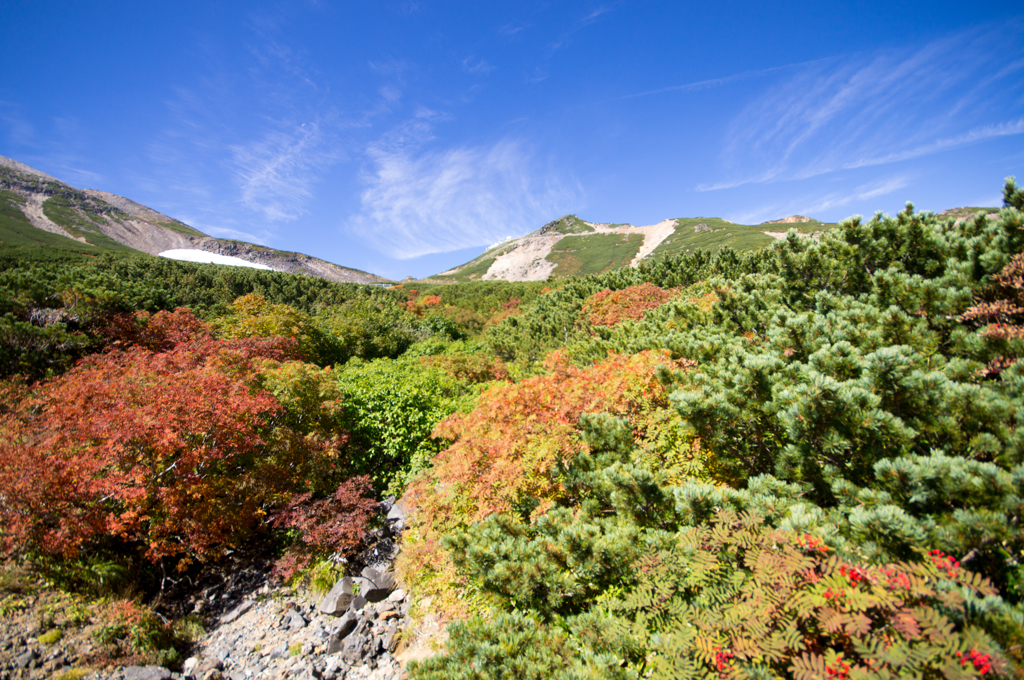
(32, 201)
(570, 246)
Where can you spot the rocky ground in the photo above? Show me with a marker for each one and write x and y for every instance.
(255, 628)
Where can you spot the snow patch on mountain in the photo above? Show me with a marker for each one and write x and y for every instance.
(190, 255)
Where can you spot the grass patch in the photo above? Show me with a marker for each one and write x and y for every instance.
(16, 579)
(472, 271)
(712, 233)
(61, 211)
(960, 213)
(17, 231)
(475, 270)
(74, 674)
(593, 254)
(181, 228)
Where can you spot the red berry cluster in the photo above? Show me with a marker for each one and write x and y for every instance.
(982, 662)
(808, 542)
(895, 579)
(945, 563)
(853, 574)
(835, 594)
(722, 659)
(839, 671)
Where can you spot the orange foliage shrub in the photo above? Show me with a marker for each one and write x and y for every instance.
(509, 447)
(609, 308)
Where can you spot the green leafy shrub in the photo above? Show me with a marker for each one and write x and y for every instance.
(391, 407)
(253, 316)
(366, 330)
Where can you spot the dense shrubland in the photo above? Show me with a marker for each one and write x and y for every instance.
(860, 394)
(803, 461)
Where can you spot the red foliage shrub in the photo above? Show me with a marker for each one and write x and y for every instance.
(332, 526)
(176, 450)
(156, 332)
(1004, 317)
(609, 308)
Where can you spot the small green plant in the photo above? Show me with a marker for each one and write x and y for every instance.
(66, 610)
(74, 674)
(12, 604)
(52, 637)
(295, 649)
(92, 574)
(321, 576)
(129, 628)
(189, 628)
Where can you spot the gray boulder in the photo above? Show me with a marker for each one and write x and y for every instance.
(339, 598)
(146, 673)
(232, 615)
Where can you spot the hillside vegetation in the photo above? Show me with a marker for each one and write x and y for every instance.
(803, 460)
(569, 247)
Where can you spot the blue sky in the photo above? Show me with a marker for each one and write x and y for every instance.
(404, 137)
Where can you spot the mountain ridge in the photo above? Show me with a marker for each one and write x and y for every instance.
(111, 222)
(570, 246)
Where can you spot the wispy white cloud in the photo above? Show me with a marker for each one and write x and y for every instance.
(879, 108)
(594, 15)
(390, 67)
(476, 66)
(979, 134)
(276, 172)
(17, 130)
(390, 93)
(566, 37)
(814, 205)
(220, 231)
(418, 202)
(725, 80)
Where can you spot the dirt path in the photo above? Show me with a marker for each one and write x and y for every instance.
(653, 236)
